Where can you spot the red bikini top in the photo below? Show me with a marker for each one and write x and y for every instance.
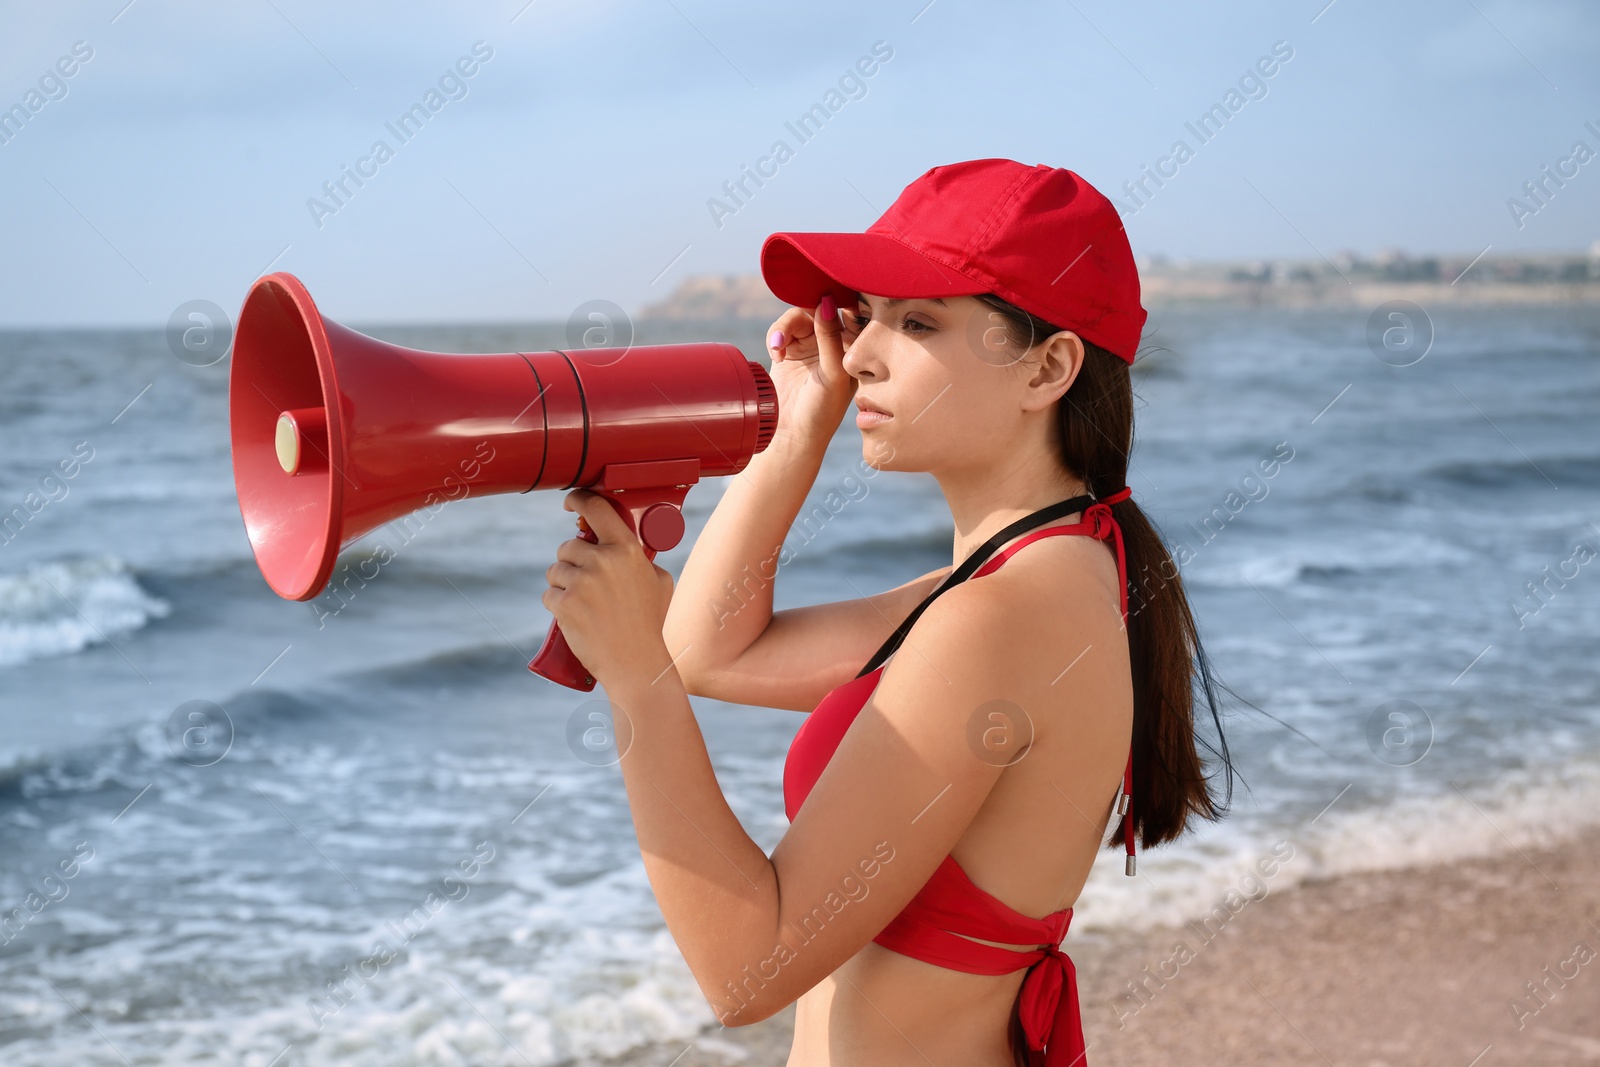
(931, 927)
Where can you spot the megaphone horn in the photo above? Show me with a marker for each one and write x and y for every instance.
(335, 433)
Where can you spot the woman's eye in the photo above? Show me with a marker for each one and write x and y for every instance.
(911, 326)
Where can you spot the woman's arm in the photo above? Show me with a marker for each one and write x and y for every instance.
(898, 794)
(723, 599)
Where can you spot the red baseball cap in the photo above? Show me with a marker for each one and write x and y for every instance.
(1040, 237)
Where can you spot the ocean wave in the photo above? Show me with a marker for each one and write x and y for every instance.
(933, 543)
(1573, 471)
(1328, 561)
(527, 969)
(1188, 880)
(438, 1003)
(130, 756)
(1522, 810)
(544, 971)
(1449, 479)
(62, 607)
(465, 668)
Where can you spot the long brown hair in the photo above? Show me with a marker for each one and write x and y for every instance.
(1095, 437)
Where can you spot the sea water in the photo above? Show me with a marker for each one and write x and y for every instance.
(378, 842)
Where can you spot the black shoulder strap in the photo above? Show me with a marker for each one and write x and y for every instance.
(971, 564)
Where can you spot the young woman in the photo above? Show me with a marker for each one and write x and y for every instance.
(948, 798)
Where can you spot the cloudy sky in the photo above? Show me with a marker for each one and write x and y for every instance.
(189, 147)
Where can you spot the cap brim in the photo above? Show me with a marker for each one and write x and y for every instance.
(800, 267)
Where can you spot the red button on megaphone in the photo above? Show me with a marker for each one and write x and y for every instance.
(335, 433)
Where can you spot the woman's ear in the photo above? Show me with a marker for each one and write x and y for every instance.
(1058, 358)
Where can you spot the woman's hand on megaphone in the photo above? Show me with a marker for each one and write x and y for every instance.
(609, 598)
(814, 389)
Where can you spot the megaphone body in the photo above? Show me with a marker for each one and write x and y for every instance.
(335, 433)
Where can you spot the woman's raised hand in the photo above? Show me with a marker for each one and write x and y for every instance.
(814, 390)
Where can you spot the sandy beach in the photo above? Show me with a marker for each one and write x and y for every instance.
(1472, 964)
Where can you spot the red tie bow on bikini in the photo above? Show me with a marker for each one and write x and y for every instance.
(1048, 1006)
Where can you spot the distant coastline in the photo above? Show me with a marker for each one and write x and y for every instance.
(1347, 280)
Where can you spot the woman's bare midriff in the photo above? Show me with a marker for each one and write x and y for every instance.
(884, 1009)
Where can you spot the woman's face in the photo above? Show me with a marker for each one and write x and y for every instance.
(957, 395)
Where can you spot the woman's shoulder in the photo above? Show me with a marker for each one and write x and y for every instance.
(1061, 581)
(1018, 629)
(1046, 584)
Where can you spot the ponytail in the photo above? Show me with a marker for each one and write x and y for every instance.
(1170, 783)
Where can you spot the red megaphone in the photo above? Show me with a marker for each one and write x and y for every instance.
(335, 433)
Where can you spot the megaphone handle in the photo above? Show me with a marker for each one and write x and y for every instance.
(555, 660)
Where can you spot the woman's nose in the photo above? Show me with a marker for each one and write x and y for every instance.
(858, 359)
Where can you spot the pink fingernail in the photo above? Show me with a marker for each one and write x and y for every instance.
(829, 309)
(775, 339)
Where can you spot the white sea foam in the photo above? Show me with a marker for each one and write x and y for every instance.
(1187, 880)
(581, 975)
(57, 608)
(544, 974)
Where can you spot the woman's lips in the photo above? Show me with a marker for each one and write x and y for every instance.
(869, 414)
